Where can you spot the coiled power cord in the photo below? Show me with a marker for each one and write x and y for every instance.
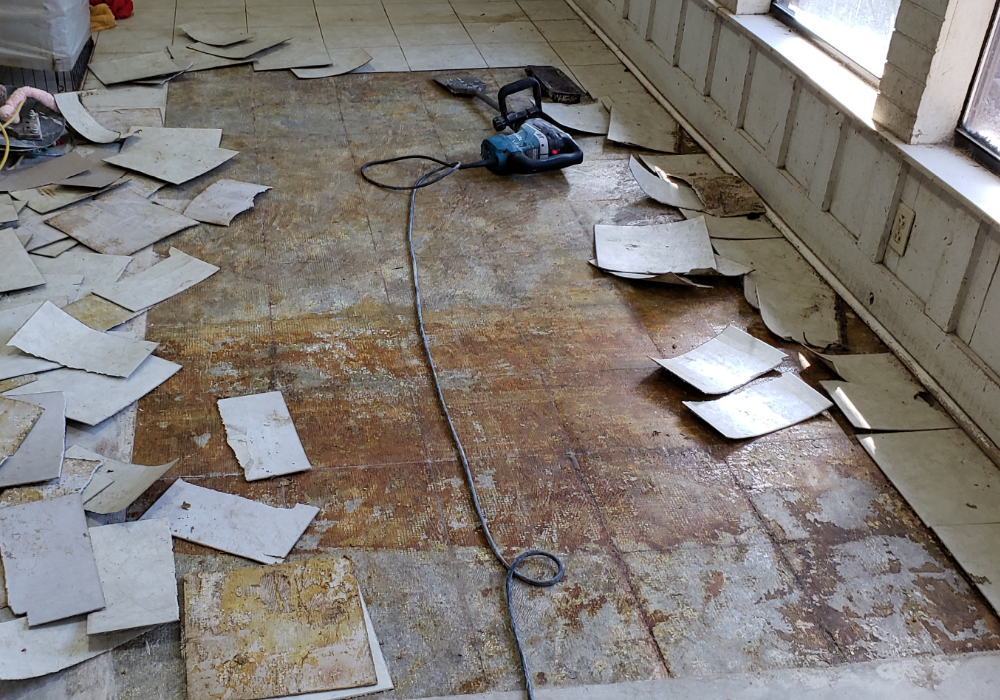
(431, 177)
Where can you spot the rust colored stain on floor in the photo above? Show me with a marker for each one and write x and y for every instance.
(686, 554)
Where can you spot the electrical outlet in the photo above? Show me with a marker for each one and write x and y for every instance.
(901, 227)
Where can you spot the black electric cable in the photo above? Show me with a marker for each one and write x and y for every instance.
(443, 170)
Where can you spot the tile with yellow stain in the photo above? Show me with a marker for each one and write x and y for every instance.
(278, 630)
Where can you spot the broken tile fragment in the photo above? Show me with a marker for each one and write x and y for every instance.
(47, 172)
(75, 476)
(122, 69)
(135, 562)
(724, 363)
(100, 314)
(674, 194)
(244, 49)
(15, 362)
(231, 523)
(48, 560)
(297, 52)
(82, 121)
(199, 61)
(41, 235)
(115, 485)
(587, 119)
(803, 313)
(162, 281)
(17, 418)
(92, 398)
(174, 158)
(40, 455)
(108, 225)
(54, 335)
(222, 201)
(208, 32)
(736, 227)
(645, 124)
(942, 474)
(16, 269)
(30, 652)
(880, 394)
(341, 61)
(680, 248)
(761, 408)
(261, 433)
(231, 613)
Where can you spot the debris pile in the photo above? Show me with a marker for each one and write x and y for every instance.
(726, 233)
(214, 47)
(75, 265)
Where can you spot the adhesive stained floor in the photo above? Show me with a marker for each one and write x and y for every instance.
(686, 554)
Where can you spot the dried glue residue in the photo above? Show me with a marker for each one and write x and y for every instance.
(278, 630)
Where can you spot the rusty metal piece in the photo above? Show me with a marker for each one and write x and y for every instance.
(556, 85)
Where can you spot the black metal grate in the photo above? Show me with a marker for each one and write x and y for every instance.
(50, 81)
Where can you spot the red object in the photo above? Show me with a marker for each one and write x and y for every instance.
(121, 9)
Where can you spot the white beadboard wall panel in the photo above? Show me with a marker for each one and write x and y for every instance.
(666, 22)
(986, 338)
(823, 135)
(732, 60)
(768, 104)
(812, 144)
(865, 186)
(938, 252)
(640, 13)
(697, 44)
(985, 260)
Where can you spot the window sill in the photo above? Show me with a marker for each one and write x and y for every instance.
(973, 185)
(802, 56)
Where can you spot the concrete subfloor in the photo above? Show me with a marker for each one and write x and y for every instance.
(687, 555)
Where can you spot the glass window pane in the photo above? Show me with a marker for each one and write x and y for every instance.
(982, 119)
(859, 29)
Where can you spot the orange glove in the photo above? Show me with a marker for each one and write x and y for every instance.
(101, 18)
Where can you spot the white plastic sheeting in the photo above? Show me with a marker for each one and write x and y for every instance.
(43, 34)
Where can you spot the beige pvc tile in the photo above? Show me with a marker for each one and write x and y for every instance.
(432, 35)
(504, 33)
(540, 10)
(278, 8)
(443, 57)
(222, 16)
(357, 36)
(584, 53)
(385, 59)
(424, 13)
(260, 18)
(356, 14)
(320, 4)
(149, 18)
(232, 4)
(136, 42)
(494, 12)
(519, 55)
(566, 30)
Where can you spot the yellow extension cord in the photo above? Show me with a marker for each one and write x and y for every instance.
(6, 140)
